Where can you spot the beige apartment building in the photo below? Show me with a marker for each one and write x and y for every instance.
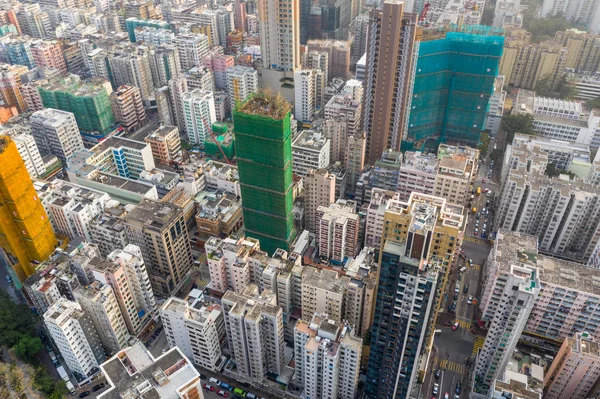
(319, 189)
(128, 108)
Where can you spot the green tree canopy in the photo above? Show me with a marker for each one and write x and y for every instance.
(16, 321)
(496, 155)
(484, 143)
(593, 103)
(564, 89)
(517, 123)
(28, 347)
(543, 29)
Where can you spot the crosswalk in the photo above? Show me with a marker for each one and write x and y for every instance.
(201, 284)
(476, 240)
(452, 366)
(476, 267)
(464, 323)
(478, 344)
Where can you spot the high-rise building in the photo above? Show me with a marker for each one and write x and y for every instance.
(390, 55)
(194, 329)
(128, 108)
(48, 54)
(319, 189)
(338, 56)
(192, 49)
(254, 325)
(279, 34)
(30, 153)
(26, 235)
(304, 95)
(56, 133)
(75, 336)
(375, 214)
(33, 21)
(10, 86)
(199, 114)
(453, 105)
(263, 136)
(575, 368)
(165, 143)
(168, 376)
(585, 12)
(361, 27)
(125, 272)
(164, 64)
(583, 49)
(88, 101)
(325, 344)
(130, 65)
(419, 240)
(241, 83)
(323, 292)
(160, 231)
(310, 150)
(100, 304)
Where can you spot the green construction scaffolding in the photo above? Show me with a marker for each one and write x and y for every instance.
(225, 139)
(453, 83)
(263, 140)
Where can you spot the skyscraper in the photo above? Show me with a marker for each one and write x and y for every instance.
(390, 53)
(280, 33)
(419, 239)
(199, 114)
(55, 132)
(10, 86)
(26, 234)
(264, 151)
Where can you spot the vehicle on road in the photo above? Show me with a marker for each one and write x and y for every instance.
(98, 387)
(250, 395)
(478, 190)
(466, 288)
(483, 181)
(438, 373)
(214, 381)
(223, 393)
(84, 394)
(470, 300)
(455, 326)
(436, 388)
(240, 391)
(458, 388)
(209, 387)
(446, 395)
(476, 231)
(226, 386)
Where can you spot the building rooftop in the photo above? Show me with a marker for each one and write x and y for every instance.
(267, 104)
(324, 279)
(117, 142)
(309, 140)
(122, 183)
(153, 214)
(416, 160)
(134, 373)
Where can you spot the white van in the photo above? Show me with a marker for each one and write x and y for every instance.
(214, 381)
(462, 269)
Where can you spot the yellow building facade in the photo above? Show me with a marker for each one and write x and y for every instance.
(26, 235)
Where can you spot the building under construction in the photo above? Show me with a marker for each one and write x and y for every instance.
(26, 235)
(454, 80)
(263, 140)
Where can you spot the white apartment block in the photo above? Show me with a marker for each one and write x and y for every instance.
(108, 232)
(562, 154)
(327, 356)
(417, 173)
(192, 49)
(126, 273)
(360, 292)
(75, 337)
(511, 289)
(375, 213)
(563, 213)
(310, 150)
(560, 119)
(496, 103)
(30, 153)
(319, 190)
(304, 95)
(194, 329)
(99, 302)
(168, 376)
(585, 12)
(323, 292)
(346, 106)
(56, 132)
(198, 114)
(337, 230)
(71, 208)
(453, 179)
(254, 325)
(241, 83)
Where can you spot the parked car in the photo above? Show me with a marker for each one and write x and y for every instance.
(470, 300)
(209, 387)
(436, 388)
(455, 326)
(214, 381)
(446, 395)
(466, 288)
(98, 387)
(438, 373)
(458, 388)
(226, 386)
(223, 393)
(84, 394)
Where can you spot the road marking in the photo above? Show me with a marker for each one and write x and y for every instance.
(464, 324)
(202, 283)
(476, 240)
(452, 366)
(479, 341)
(476, 267)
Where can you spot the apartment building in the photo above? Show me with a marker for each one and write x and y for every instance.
(10, 86)
(310, 150)
(100, 303)
(196, 329)
(30, 153)
(326, 344)
(578, 11)
(375, 214)
(254, 325)
(241, 83)
(71, 207)
(417, 173)
(168, 376)
(338, 52)
(453, 179)
(128, 108)
(48, 55)
(575, 369)
(563, 213)
(199, 114)
(165, 143)
(560, 119)
(218, 214)
(319, 189)
(337, 229)
(562, 154)
(74, 334)
(192, 49)
(512, 286)
(496, 107)
(323, 292)
(304, 95)
(355, 159)
(125, 272)
(159, 229)
(347, 107)
(108, 230)
(56, 132)
(582, 48)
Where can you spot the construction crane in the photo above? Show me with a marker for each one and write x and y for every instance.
(423, 15)
(216, 142)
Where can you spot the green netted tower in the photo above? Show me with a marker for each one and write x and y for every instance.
(454, 81)
(263, 140)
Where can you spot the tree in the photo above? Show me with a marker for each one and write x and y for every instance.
(564, 89)
(28, 347)
(496, 155)
(16, 321)
(484, 143)
(543, 29)
(593, 103)
(552, 170)
(50, 388)
(517, 123)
